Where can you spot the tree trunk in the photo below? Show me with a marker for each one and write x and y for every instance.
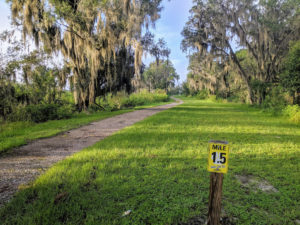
(75, 91)
(242, 74)
(297, 97)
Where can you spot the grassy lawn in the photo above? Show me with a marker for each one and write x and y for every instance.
(157, 169)
(19, 133)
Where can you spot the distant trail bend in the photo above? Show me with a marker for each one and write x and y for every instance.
(23, 164)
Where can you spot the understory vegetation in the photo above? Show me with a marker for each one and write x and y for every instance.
(122, 100)
(30, 120)
(293, 112)
(96, 56)
(157, 169)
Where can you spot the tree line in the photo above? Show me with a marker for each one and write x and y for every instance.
(247, 49)
(101, 44)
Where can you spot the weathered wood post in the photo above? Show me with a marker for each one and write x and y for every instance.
(215, 198)
(217, 165)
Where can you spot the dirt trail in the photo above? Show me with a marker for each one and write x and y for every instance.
(22, 165)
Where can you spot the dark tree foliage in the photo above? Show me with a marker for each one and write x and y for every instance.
(101, 40)
(264, 28)
(27, 77)
(290, 77)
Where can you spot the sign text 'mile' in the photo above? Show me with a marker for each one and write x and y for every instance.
(219, 147)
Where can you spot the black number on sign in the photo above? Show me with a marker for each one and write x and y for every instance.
(214, 155)
(221, 156)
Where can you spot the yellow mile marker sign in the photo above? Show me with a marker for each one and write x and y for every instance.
(217, 165)
(218, 156)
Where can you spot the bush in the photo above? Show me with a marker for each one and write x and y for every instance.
(293, 112)
(144, 97)
(7, 99)
(41, 113)
(65, 111)
(235, 99)
(212, 98)
(111, 102)
(203, 94)
(290, 77)
(67, 97)
(122, 100)
(275, 101)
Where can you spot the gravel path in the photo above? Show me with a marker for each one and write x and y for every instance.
(22, 165)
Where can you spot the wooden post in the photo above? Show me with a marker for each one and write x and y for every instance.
(215, 198)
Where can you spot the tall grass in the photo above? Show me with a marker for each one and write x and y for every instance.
(293, 112)
(122, 100)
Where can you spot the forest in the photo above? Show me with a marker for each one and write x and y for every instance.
(247, 52)
(244, 51)
(99, 46)
(99, 125)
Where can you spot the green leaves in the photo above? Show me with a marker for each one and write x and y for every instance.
(100, 39)
(161, 76)
(290, 77)
(217, 29)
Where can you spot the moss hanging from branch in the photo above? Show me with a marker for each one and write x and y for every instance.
(89, 35)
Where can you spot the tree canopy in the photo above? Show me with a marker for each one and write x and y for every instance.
(101, 40)
(290, 77)
(161, 76)
(217, 28)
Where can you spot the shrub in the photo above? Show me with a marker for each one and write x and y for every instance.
(293, 112)
(7, 99)
(235, 99)
(112, 102)
(212, 98)
(145, 97)
(65, 111)
(67, 97)
(41, 113)
(122, 100)
(274, 101)
(290, 77)
(203, 94)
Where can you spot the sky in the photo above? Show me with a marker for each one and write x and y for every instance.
(4, 13)
(173, 18)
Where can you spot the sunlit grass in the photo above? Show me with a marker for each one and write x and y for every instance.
(157, 169)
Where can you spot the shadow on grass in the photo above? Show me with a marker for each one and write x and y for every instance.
(157, 169)
(99, 192)
(208, 116)
(159, 138)
(93, 188)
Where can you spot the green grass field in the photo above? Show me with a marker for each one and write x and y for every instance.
(157, 169)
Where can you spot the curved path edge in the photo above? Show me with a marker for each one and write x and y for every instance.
(23, 164)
